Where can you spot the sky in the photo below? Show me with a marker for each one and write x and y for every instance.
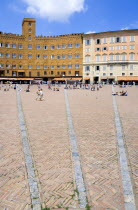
(55, 17)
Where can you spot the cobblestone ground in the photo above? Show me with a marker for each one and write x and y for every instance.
(93, 118)
(128, 110)
(14, 191)
(48, 133)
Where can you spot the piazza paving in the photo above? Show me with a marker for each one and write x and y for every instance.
(48, 133)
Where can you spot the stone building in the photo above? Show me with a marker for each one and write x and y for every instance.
(27, 56)
(110, 56)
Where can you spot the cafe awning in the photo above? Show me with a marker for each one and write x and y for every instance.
(76, 78)
(86, 78)
(127, 78)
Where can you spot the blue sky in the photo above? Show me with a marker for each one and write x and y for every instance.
(55, 17)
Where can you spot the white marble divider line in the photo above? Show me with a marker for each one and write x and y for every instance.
(126, 180)
(75, 156)
(32, 180)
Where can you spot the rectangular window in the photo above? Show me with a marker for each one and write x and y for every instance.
(29, 38)
(45, 66)
(63, 46)
(123, 67)
(98, 41)
(76, 73)
(1, 55)
(69, 66)
(29, 56)
(45, 73)
(117, 47)
(111, 39)
(111, 57)
(97, 68)
(97, 58)
(87, 68)
(13, 55)
(14, 66)
(29, 66)
(131, 56)
(111, 74)
(58, 47)
(104, 74)
(38, 56)
(69, 56)
(69, 72)
(63, 56)
(38, 47)
(8, 71)
(104, 57)
(7, 45)
(69, 45)
(131, 47)
(123, 57)
(13, 45)
(58, 56)
(123, 38)
(29, 46)
(38, 66)
(7, 65)
(87, 59)
(104, 67)
(63, 66)
(77, 66)
(111, 48)
(87, 50)
(45, 47)
(20, 46)
(111, 67)
(29, 31)
(58, 66)
(124, 47)
(1, 44)
(38, 74)
(117, 57)
(123, 74)
(87, 42)
(1, 65)
(45, 56)
(52, 47)
(77, 56)
(20, 66)
(52, 56)
(77, 45)
(104, 40)
(117, 39)
(132, 38)
(20, 56)
(52, 66)
(131, 66)
(131, 74)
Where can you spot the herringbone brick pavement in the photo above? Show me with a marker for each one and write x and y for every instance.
(128, 110)
(48, 133)
(14, 191)
(93, 118)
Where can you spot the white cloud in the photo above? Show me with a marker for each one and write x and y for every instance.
(126, 28)
(131, 26)
(90, 32)
(54, 10)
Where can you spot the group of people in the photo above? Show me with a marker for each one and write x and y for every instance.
(121, 93)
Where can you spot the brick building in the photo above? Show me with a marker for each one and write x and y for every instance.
(28, 57)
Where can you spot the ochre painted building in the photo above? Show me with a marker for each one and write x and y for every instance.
(27, 56)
